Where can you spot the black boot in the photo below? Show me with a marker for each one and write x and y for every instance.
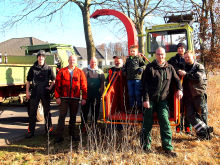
(170, 153)
(210, 129)
(29, 135)
(58, 139)
(49, 130)
(72, 133)
(204, 135)
(75, 138)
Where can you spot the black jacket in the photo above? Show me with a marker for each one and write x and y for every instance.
(156, 81)
(195, 81)
(132, 66)
(177, 62)
(40, 75)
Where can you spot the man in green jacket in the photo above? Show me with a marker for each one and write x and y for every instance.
(156, 81)
(95, 82)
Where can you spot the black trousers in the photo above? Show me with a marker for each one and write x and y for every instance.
(72, 104)
(37, 94)
(94, 104)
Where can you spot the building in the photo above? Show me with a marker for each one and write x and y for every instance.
(104, 58)
(13, 46)
(16, 47)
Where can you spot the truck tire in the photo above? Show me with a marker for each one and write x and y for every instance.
(40, 112)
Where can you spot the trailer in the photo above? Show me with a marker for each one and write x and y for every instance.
(14, 72)
(13, 79)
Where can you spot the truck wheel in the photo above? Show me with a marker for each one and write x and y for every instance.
(40, 112)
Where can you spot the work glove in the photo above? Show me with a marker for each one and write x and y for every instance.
(140, 70)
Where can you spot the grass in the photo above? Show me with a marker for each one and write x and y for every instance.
(108, 146)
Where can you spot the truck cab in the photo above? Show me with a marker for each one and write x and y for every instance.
(168, 36)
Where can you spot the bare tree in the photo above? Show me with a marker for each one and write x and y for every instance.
(115, 49)
(138, 10)
(85, 9)
(48, 8)
(208, 13)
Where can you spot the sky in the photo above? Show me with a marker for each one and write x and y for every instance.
(66, 27)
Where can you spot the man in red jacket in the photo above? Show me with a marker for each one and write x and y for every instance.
(69, 82)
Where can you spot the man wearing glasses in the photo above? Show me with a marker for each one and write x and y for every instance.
(156, 81)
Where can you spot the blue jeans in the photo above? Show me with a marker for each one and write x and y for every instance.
(134, 92)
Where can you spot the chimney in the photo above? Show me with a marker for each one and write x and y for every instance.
(31, 41)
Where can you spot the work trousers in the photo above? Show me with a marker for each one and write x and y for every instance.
(72, 105)
(94, 104)
(39, 93)
(161, 109)
(196, 112)
(135, 92)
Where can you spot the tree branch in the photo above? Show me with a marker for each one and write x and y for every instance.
(155, 7)
(195, 4)
(11, 23)
(54, 11)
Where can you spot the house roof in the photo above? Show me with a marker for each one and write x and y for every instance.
(109, 54)
(100, 53)
(13, 46)
(82, 52)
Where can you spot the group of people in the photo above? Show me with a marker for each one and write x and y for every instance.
(148, 91)
(72, 85)
(156, 81)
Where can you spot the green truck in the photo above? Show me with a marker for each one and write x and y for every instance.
(14, 72)
(177, 29)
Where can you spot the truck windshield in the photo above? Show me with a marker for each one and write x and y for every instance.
(167, 39)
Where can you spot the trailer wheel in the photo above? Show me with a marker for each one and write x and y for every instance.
(40, 112)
